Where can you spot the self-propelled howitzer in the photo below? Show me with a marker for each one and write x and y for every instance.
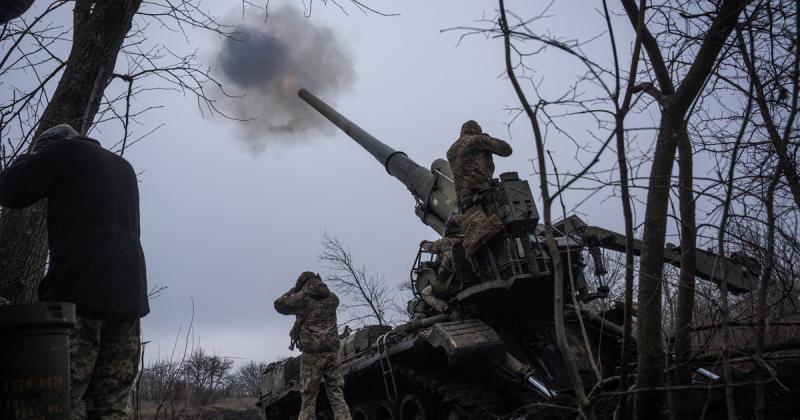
(434, 193)
(493, 353)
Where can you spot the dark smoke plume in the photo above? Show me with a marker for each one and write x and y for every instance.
(267, 62)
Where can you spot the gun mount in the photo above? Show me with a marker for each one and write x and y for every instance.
(494, 352)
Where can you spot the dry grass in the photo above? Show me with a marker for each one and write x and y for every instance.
(224, 409)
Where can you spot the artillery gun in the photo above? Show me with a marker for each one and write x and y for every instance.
(494, 352)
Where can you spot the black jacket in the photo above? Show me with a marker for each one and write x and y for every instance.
(96, 259)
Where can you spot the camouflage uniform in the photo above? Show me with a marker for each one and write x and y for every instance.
(104, 359)
(444, 248)
(317, 337)
(429, 297)
(471, 161)
(480, 225)
(314, 368)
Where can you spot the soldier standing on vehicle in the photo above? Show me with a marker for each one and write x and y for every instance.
(316, 335)
(96, 259)
(473, 168)
(444, 249)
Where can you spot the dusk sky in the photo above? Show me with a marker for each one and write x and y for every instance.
(227, 230)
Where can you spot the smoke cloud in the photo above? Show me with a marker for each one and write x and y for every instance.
(266, 63)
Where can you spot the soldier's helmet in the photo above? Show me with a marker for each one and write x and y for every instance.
(303, 278)
(471, 127)
(59, 132)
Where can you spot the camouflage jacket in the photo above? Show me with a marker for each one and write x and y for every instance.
(444, 248)
(315, 308)
(471, 161)
(442, 245)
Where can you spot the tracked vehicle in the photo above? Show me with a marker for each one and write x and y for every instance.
(494, 353)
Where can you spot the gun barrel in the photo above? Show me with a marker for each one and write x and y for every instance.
(420, 181)
(397, 163)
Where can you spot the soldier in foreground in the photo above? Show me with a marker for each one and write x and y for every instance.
(316, 335)
(471, 161)
(96, 259)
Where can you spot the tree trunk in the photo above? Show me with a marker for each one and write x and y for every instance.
(99, 31)
(622, 411)
(763, 291)
(627, 325)
(681, 407)
(651, 348)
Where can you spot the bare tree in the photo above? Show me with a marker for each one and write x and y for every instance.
(185, 387)
(161, 382)
(558, 283)
(368, 297)
(675, 100)
(246, 380)
(685, 65)
(206, 374)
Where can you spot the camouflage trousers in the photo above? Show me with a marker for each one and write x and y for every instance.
(429, 298)
(314, 368)
(478, 228)
(104, 359)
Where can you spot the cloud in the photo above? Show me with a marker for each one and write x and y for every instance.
(267, 62)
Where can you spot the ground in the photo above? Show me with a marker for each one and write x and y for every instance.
(227, 409)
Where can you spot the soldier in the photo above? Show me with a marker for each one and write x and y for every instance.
(471, 161)
(315, 333)
(96, 259)
(437, 284)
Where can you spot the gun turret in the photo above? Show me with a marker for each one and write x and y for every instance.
(432, 189)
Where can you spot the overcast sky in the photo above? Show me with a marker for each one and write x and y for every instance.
(227, 231)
